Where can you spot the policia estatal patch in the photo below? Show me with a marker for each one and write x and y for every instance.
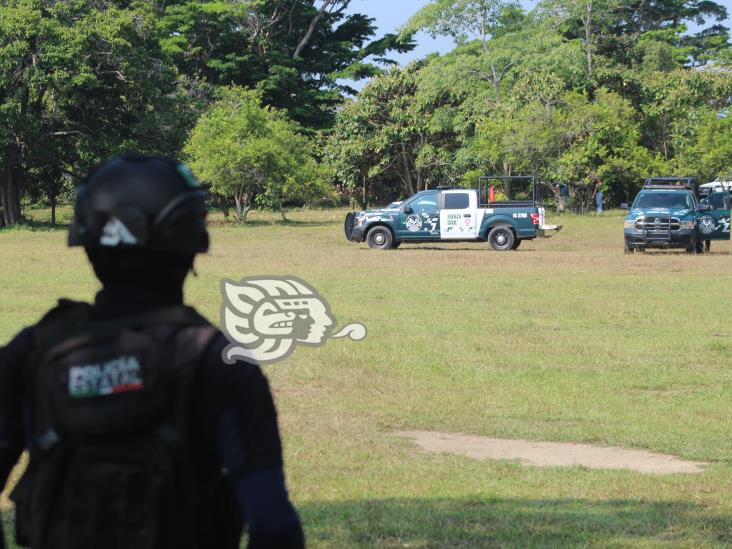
(117, 375)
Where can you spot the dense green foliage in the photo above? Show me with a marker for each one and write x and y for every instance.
(78, 81)
(573, 90)
(82, 80)
(250, 152)
(291, 50)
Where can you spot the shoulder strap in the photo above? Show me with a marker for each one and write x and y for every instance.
(178, 315)
(190, 346)
(75, 320)
(51, 326)
(64, 314)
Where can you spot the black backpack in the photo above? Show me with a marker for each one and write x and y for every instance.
(110, 460)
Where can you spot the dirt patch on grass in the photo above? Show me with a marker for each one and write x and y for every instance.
(551, 454)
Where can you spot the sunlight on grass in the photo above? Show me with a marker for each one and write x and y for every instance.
(565, 339)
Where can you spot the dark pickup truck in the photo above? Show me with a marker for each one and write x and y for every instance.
(667, 213)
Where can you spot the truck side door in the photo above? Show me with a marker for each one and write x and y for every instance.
(459, 215)
(419, 218)
(713, 224)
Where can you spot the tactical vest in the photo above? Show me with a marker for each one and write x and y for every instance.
(110, 460)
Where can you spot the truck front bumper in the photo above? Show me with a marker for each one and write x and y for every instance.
(683, 238)
(353, 232)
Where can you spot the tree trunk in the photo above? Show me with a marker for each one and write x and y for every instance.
(507, 189)
(9, 196)
(239, 209)
(364, 189)
(495, 80)
(223, 203)
(308, 35)
(53, 209)
(588, 39)
(243, 206)
(311, 28)
(587, 20)
(407, 171)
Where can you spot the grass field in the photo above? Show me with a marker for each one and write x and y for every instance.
(565, 339)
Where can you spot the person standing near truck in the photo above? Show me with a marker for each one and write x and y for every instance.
(597, 194)
(563, 189)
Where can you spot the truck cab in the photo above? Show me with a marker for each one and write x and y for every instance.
(718, 185)
(667, 213)
(713, 218)
(455, 215)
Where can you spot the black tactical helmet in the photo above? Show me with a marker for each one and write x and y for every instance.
(145, 203)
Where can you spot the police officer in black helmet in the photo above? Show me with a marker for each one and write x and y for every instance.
(139, 435)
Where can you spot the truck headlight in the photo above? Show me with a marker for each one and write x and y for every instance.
(688, 224)
(359, 221)
(629, 224)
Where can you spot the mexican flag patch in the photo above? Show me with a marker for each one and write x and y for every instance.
(117, 375)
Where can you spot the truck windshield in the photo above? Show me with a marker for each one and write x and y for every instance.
(663, 200)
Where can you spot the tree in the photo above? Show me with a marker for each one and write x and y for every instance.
(629, 21)
(462, 19)
(708, 152)
(418, 124)
(676, 102)
(352, 150)
(381, 127)
(293, 51)
(329, 7)
(600, 139)
(591, 15)
(248, 152)
(79, 81)
(403, 128)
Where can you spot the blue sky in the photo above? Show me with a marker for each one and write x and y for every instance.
(391, 14)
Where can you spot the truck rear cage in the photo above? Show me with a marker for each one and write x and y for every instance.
(483, 195)
(670, 183)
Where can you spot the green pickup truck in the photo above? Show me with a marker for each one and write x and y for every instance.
(668, 214)
(457, 215)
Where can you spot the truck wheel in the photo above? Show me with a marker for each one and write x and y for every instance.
(501, 238)
(707, 246)
(380, 238)
(628, 249)
(516, 244)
